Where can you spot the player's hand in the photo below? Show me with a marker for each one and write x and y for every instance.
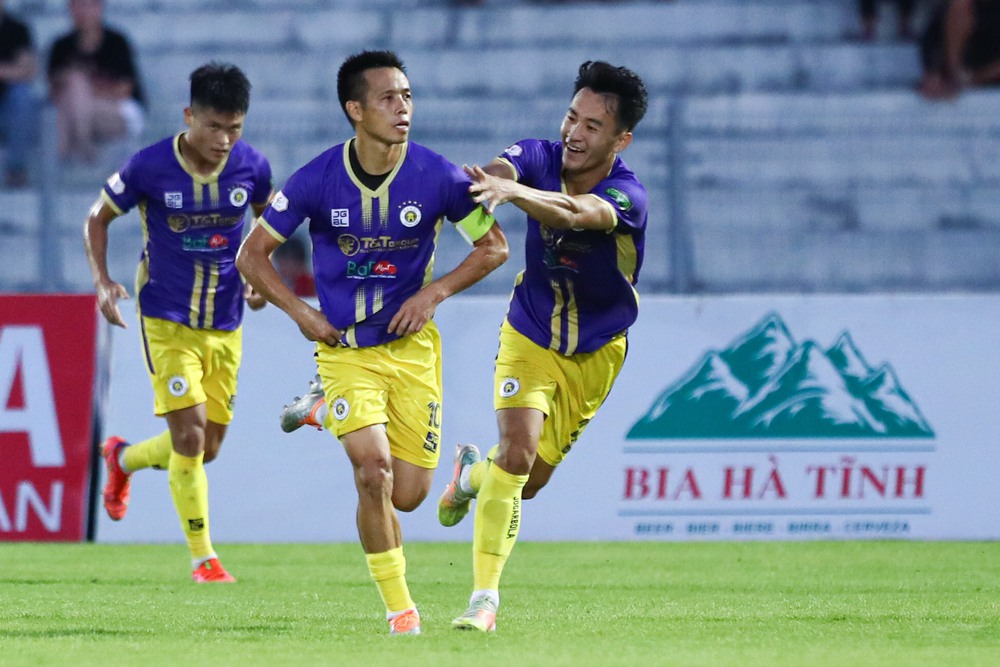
(108, 294)
(255, 300)
(414, 313)
(490, 191)
(314, 326)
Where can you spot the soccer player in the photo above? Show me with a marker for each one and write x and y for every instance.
(375, 206)
(564, 338)
(193, 191)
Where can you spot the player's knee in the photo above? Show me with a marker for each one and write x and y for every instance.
(531, 490)
(373, 477)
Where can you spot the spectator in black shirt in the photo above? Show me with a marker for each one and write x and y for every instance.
(18, 65)
(94, 84)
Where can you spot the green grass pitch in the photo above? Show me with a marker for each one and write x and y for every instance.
(581, 604)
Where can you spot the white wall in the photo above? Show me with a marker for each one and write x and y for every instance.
(272, 487)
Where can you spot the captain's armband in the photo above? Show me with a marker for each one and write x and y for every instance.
(475, 225)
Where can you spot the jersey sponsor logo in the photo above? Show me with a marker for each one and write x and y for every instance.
(116, 184)
(181, 222)
(212, 243)
(340, 217)
(514, 151)
(341, 408)
(173, 199)
(351, 245)
(621, 199)
(280, 202)
(177, 386)
(238, 196)
(410, 215)
(509, 387)
(371, 269)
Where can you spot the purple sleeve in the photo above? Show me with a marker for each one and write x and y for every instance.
(124, 188)
(530, 158)
(291, 205)
(628, 198)
(264, 181)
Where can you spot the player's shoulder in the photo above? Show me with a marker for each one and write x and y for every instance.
(421, 155)
(247, 153)
(155, 154)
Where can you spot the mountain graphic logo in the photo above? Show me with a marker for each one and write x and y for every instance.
(765, 385)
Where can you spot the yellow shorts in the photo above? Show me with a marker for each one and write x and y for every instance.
(397, 384)
(191, 366)
(568, 389)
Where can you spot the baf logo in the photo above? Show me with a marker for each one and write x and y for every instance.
(27, 404)
(514, 151)
(280, 202)
(768, 385)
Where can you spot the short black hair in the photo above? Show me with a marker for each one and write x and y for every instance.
(622, 82)
(351, 83)
(220, 86)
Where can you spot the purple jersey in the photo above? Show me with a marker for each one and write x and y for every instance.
(192, 226)
(576, 291)
(372, 250)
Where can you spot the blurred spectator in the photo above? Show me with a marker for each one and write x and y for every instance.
(94, 84)
(291, 263)
(18, 65)
(869, 18)
(961, 48)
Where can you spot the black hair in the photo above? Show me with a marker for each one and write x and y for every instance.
(220, 86)
(622, 82)
(351, 83)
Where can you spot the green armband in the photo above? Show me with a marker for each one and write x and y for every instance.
(475, 225)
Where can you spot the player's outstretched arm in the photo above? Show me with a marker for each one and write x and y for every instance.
(254, 262)
(95, 243)
(552, 209)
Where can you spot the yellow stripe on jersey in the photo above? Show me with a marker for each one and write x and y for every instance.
(572, 321)
(111, 203)
(213, 283)
(213, 193)
(193, 307)
(360, 305)
(383, 208)
(627, 256)
(349, 337)
(556, 318)
(366, 211)
(627, 261)
(429, 269)
(270, 230)
(142, 273)
(377, 297)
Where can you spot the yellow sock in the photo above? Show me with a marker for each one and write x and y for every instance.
(498, 519)
(189, 489)
(152, 453)
(477, 473)
(388, 569)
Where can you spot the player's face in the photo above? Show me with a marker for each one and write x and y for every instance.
(590, 135)
(386, 111)
(212, 133)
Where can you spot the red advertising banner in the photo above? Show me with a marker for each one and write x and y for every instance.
(48, 351)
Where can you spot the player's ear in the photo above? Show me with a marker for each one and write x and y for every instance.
(188, 116)
(622, 142)
(354, 110)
